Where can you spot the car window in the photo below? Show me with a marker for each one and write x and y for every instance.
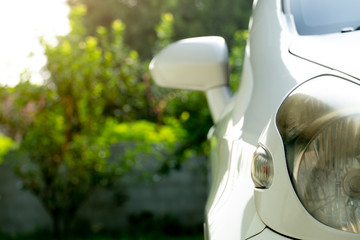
(313, 17)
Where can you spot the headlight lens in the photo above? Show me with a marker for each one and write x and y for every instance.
(327, 175)
(320, 126)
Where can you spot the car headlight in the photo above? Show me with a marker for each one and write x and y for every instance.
(319, 123)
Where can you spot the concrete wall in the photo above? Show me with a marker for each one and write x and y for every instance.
(181, 194)
(20, 211)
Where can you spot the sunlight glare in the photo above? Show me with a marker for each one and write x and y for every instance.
(22, 23)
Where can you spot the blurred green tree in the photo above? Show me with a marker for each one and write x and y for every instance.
(91, 79)
(189, 18)
(65, 128)
(210, 17)
(98, 92)
(140, 16)
(192, 18)
(185, 109)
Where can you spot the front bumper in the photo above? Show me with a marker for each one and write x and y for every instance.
(268, 234)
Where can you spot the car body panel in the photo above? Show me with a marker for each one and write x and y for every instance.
(261, 91)
(277, 60)
(268, 45)
(267, 234)
(230, 209)
(328, 50)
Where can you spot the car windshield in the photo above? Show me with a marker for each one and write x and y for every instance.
(324, 16)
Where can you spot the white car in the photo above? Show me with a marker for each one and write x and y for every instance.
(285, 155)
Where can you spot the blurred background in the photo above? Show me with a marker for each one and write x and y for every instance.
(90, 148)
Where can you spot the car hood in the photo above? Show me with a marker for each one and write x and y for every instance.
(339, 51)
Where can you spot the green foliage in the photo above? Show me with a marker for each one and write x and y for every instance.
(139, 16)
(236, 58)
(6, 145)
(188, 19)
(208, 17)
(101, 71)
(146, 132)
(96, 96)
(191, 18)
(18, 106)
(164, 31)
(98, 93)
(60, 126)
(149, 147)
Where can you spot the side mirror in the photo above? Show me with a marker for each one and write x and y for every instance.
(196, 64)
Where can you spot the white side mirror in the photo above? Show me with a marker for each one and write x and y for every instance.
(195, 64)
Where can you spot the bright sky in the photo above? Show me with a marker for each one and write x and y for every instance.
(22, 22)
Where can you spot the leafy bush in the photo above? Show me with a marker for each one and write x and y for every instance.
(98, 93)
(6, 145)
(66, 127)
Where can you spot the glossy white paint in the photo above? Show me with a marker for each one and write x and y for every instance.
(272, 70)
(230, 210)
(274, 64)
(328, 49)
(195, 64)
(218, 99)
(279, 206)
